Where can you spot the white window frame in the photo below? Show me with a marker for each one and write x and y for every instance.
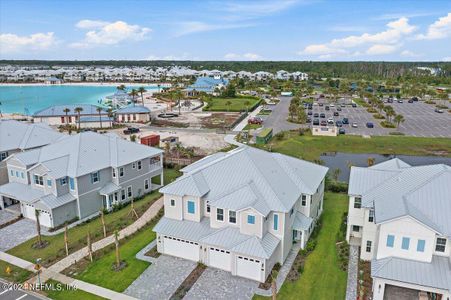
(217, 214)
(359, 202)
(38, 180)
(233, 212)
(129, 192)
(437, 244)
(172, 202)
(139, 165)
(304, 200)
(121, 172)
(134, 165)
(146, 183)
(3, 155)
(95, 177)
(114, 172)
(123, 195)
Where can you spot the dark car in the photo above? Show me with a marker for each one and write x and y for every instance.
(415, 98)
(323, 123)
(336, 114)
(339, 123)
(354, 105)
(310, 107)
(309, 120)
(327, 107)
(309, 113)
(410, 101)
(315, 121)
(341, 131)
(322, 115)
(345, 121)
(131, 130)
(370, 125)
(339, 108)
(390, 100)
(316, 115)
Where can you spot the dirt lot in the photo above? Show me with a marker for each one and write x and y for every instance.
(199, 120)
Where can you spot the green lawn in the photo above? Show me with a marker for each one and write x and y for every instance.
(77, 235)
(322, 278)
(237, 104)
(60, 292)
(169, 176)
(311, 147)
(17, 275)
(252, 126)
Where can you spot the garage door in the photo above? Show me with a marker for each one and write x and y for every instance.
(45, 219)
(181, 248)
(219, 258)
(249, 268)
(29, 211)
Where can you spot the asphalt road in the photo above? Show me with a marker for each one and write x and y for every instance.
(277, 120)
(16, 294)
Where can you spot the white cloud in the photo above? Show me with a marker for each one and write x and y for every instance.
(440, 29)
(183, 56)
(322, 49)
(408, 53)
(258, 8)
(381, 49)
(107, 33)
(11, 43)
(245, 56)
(186, 28)
(446, 58)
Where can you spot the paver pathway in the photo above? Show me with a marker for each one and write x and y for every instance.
(17, 233)
(353, 270)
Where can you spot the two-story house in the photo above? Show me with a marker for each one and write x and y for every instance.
(400, 217)
(18, 136)
(241, 211)
(79, 175)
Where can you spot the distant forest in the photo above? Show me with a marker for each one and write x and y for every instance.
(355, 70)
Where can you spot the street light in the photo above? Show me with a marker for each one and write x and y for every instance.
(37, 267)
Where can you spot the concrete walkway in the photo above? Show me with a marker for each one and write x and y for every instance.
(353, 273)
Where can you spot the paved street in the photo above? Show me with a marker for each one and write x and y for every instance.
(16, 294)
(277, 120)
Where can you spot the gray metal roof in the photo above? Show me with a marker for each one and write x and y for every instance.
(51, 201)
(392, 164)
(436, 274)
(301, 221)
(88, 152)
(21, 192)
(258, 247)
(139, 109)
(109, 188)
(278, 180)
(203, 162)
(190, 230)
(58, 110)
(19, 135)
(422, 192)
(226, 237)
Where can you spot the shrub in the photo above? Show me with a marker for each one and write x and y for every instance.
(371, 110)
(429, 102)
(396, 133)
(279, 136)
(337, 187)
(378, 116)
(311, 244)
(387, 124)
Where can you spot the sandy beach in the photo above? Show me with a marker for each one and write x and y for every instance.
(133, 84)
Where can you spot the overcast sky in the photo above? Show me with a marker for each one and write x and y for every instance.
(226, 30)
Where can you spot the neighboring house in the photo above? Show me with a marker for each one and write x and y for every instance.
(400, 217)
(135, 114)
(18, 136)
(207, 85)
(53, 80)
(241, 211)
(78, 175)
(55, 115)
(95, 122)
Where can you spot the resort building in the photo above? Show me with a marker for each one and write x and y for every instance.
(53, 80)
(241, 211)
(18, 136)
(399, 215)
(209, 85)
(57, 115)
(79, 175)
(135, 114)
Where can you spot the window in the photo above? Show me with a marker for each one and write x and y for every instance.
(304, 198)
(357, 202)
(232, 216)
(122, 195)
(420, 245)
(22, 175)
(276, 222)
(17, 173)
(219, 214)
(355, 228)
(371, 216)
(114, 173)
(405, 243)
(134, 165)
(390, 240)
(129, 192)
(63, 181)
(3, 155)
(368, 246)
(208, 206)
(121, 172)
(440, 245)
(38, 180)
(139, 165)
(146, 184)
(172, 202)
(49, 182)
(250, 219)
(71, 184)
(191, 207)
(95, 177)
(12, 173)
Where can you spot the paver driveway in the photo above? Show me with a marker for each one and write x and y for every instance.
(17, 233)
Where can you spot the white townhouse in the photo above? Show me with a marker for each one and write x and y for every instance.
(401, 217)
(18, 136)
(241, 211)
(79, 175)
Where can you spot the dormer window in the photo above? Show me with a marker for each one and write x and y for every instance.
(63, 181)
(304, 200)
(220, 214)
(440, 245)
(357, 202)
(38, 180)
(95, 177)
(232, 216)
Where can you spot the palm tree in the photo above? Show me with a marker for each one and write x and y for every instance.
(66, 242)
(99, 110)
(38, 228)
(103, 222)
(274, 274)
(121, 87)
(78, 110)
(134, 93)
(142, 90)
(116, 244)
(66, 111)
(370, 161)
(159, 85)
(228, 103)
(399, 119)
(247, 103)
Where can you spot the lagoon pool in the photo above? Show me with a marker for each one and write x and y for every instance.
(29, 99)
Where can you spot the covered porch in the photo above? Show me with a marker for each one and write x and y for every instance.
(302, 227)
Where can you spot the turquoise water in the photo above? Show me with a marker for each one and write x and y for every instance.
(29, 99)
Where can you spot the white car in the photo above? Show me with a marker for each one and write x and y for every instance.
(332, 105)
(330, 121)
(354, 124)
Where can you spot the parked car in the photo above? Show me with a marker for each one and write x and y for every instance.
(323, 123)
(310, 106)
(327, 107)
(438, 110)
(322, 115)
(338, 108)
(342, 131)
(345, 121)
(400, 101)
(330, 121)
(390, 100)
(131, 130)
(255, 120)
(343, 105)
(410, 101)
(332, 105)
(354, 125)
(321, 104)
(336, 114)
(315, 121)
(415, 98)
(339, 123)
(309, 113)
(354, 105)
(309, 120)
(316, 115)
(369, 125)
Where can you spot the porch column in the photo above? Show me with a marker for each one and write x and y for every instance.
(2, 203)
(378, 289)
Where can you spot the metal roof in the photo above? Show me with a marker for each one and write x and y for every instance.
(51, 201)
(301, 221)
(139, 109)
(226, 237)
(258, 247)
(109, 188)
(190, 230)
(435, 274)
(58, 110)
(21, 192)
(19, 135)
(392, 164)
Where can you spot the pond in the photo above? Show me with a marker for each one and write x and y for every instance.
(343, 161)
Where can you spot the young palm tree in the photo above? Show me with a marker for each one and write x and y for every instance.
(247, 103)
(38, 228)
(134, 93)
(66, 242)
(228, 103)
(103, 222)
(99, 110)
(274, 274)
(89, 245)
(78, 110)
(142, 90)
(116, 243)
(399, 119)
(66, 111)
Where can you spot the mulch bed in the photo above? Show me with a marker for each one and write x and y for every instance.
(153, 253)
(367, 283)
(267, 284)
(121, 266)
(42, 245)
(189, 281)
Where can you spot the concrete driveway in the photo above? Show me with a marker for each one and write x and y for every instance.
(17, 233)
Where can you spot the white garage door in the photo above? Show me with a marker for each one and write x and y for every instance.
(219, 258)
(29, 211)
(249, 268)
(181, 248)
(45, 219)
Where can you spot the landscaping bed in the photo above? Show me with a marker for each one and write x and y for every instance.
(169, 123)
(219, 120)
(189, 281)
(365, 282)
(267, 284)
(153, 253)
